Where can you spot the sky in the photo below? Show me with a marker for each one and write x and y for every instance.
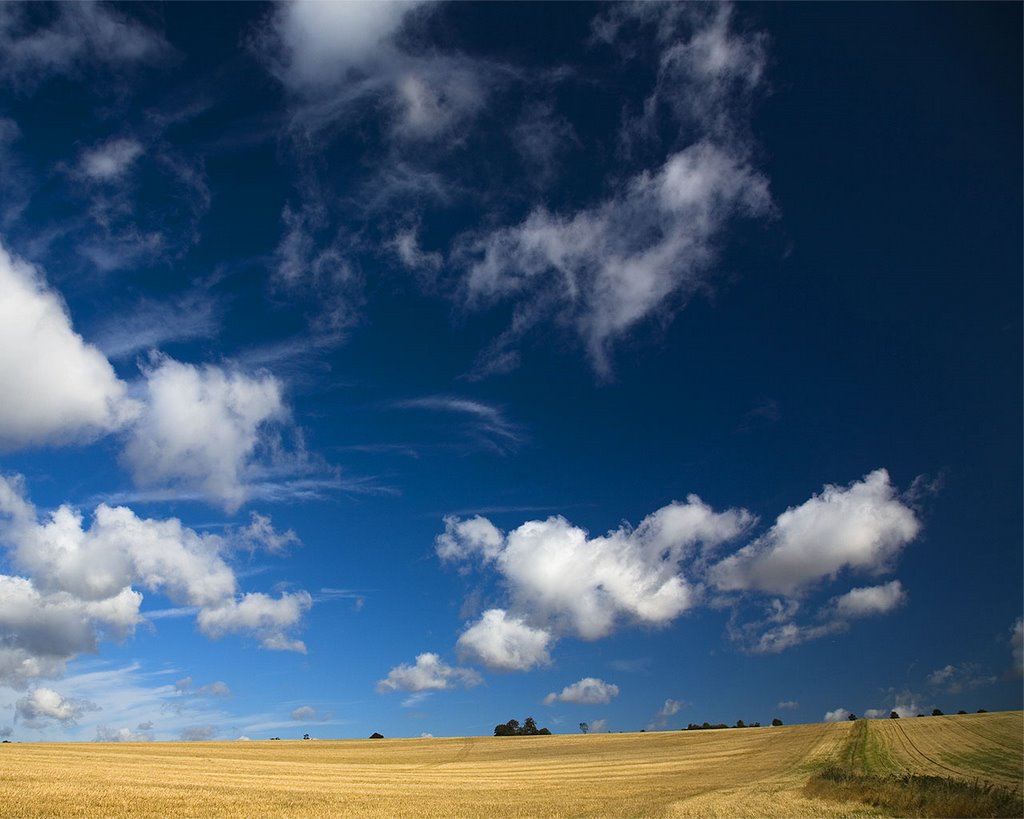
(413, 367)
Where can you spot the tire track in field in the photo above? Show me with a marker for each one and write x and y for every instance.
(907, 741)
(989, 738)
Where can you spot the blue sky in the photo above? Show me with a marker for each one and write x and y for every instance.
(413, 367)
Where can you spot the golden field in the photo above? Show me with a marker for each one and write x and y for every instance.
(737, 772)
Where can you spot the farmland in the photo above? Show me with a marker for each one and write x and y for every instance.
(753, 771)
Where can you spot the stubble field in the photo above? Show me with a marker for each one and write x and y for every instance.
(737, 772)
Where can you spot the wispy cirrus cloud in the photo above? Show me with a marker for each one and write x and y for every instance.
(484, 424)
(67, 38)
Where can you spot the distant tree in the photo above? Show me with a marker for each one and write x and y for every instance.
(584, 728)
(305, 736)
(893, 715)
(982, 711)
(776, 722)
(961, 712)
(705, 725)
(740, 724)
(937, 713)
(512, 728)
(852, 718)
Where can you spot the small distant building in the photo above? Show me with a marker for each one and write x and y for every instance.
(375, 735)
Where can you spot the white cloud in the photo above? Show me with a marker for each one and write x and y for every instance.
(485, 424)
(463, 538)
(77, 35)
(644, 250)
(504, 641)
(148, 325)
(862, 527)
(319, 42)
(260, 534)
(304, 713)
(1017, 645)
(779, 638)
(788, 705)
(268, 618)
(670, 708)
(430, 673)
(905, 703)
(407, 247)
(957, 679)
(572, 583)
(334, 55)
(603, 270)
(204, 428)
(598, 725)
(870, 601)
(588, 691)
(42, 705)
(107, 734)
(57, 388)
(838, 715)
(79, 584)
(111, 160)
(219, 688)
(115, 552)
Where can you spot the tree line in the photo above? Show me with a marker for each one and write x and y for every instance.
(512, 728)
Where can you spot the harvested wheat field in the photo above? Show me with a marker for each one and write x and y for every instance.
(748, 772)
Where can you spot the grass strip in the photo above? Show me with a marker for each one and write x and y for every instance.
(913, 795)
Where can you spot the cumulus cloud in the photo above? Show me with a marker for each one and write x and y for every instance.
(40, 631)
(79, 584)
(562, 581)
(57, 388)
(573, 583)
(862, 527)
(270, 619)
(588, 691)
(429, 673)
(503, 641)
(871, 600)
(43, 705)
(118, 549)
(838, 715)
(76, 35)
(204, 428)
